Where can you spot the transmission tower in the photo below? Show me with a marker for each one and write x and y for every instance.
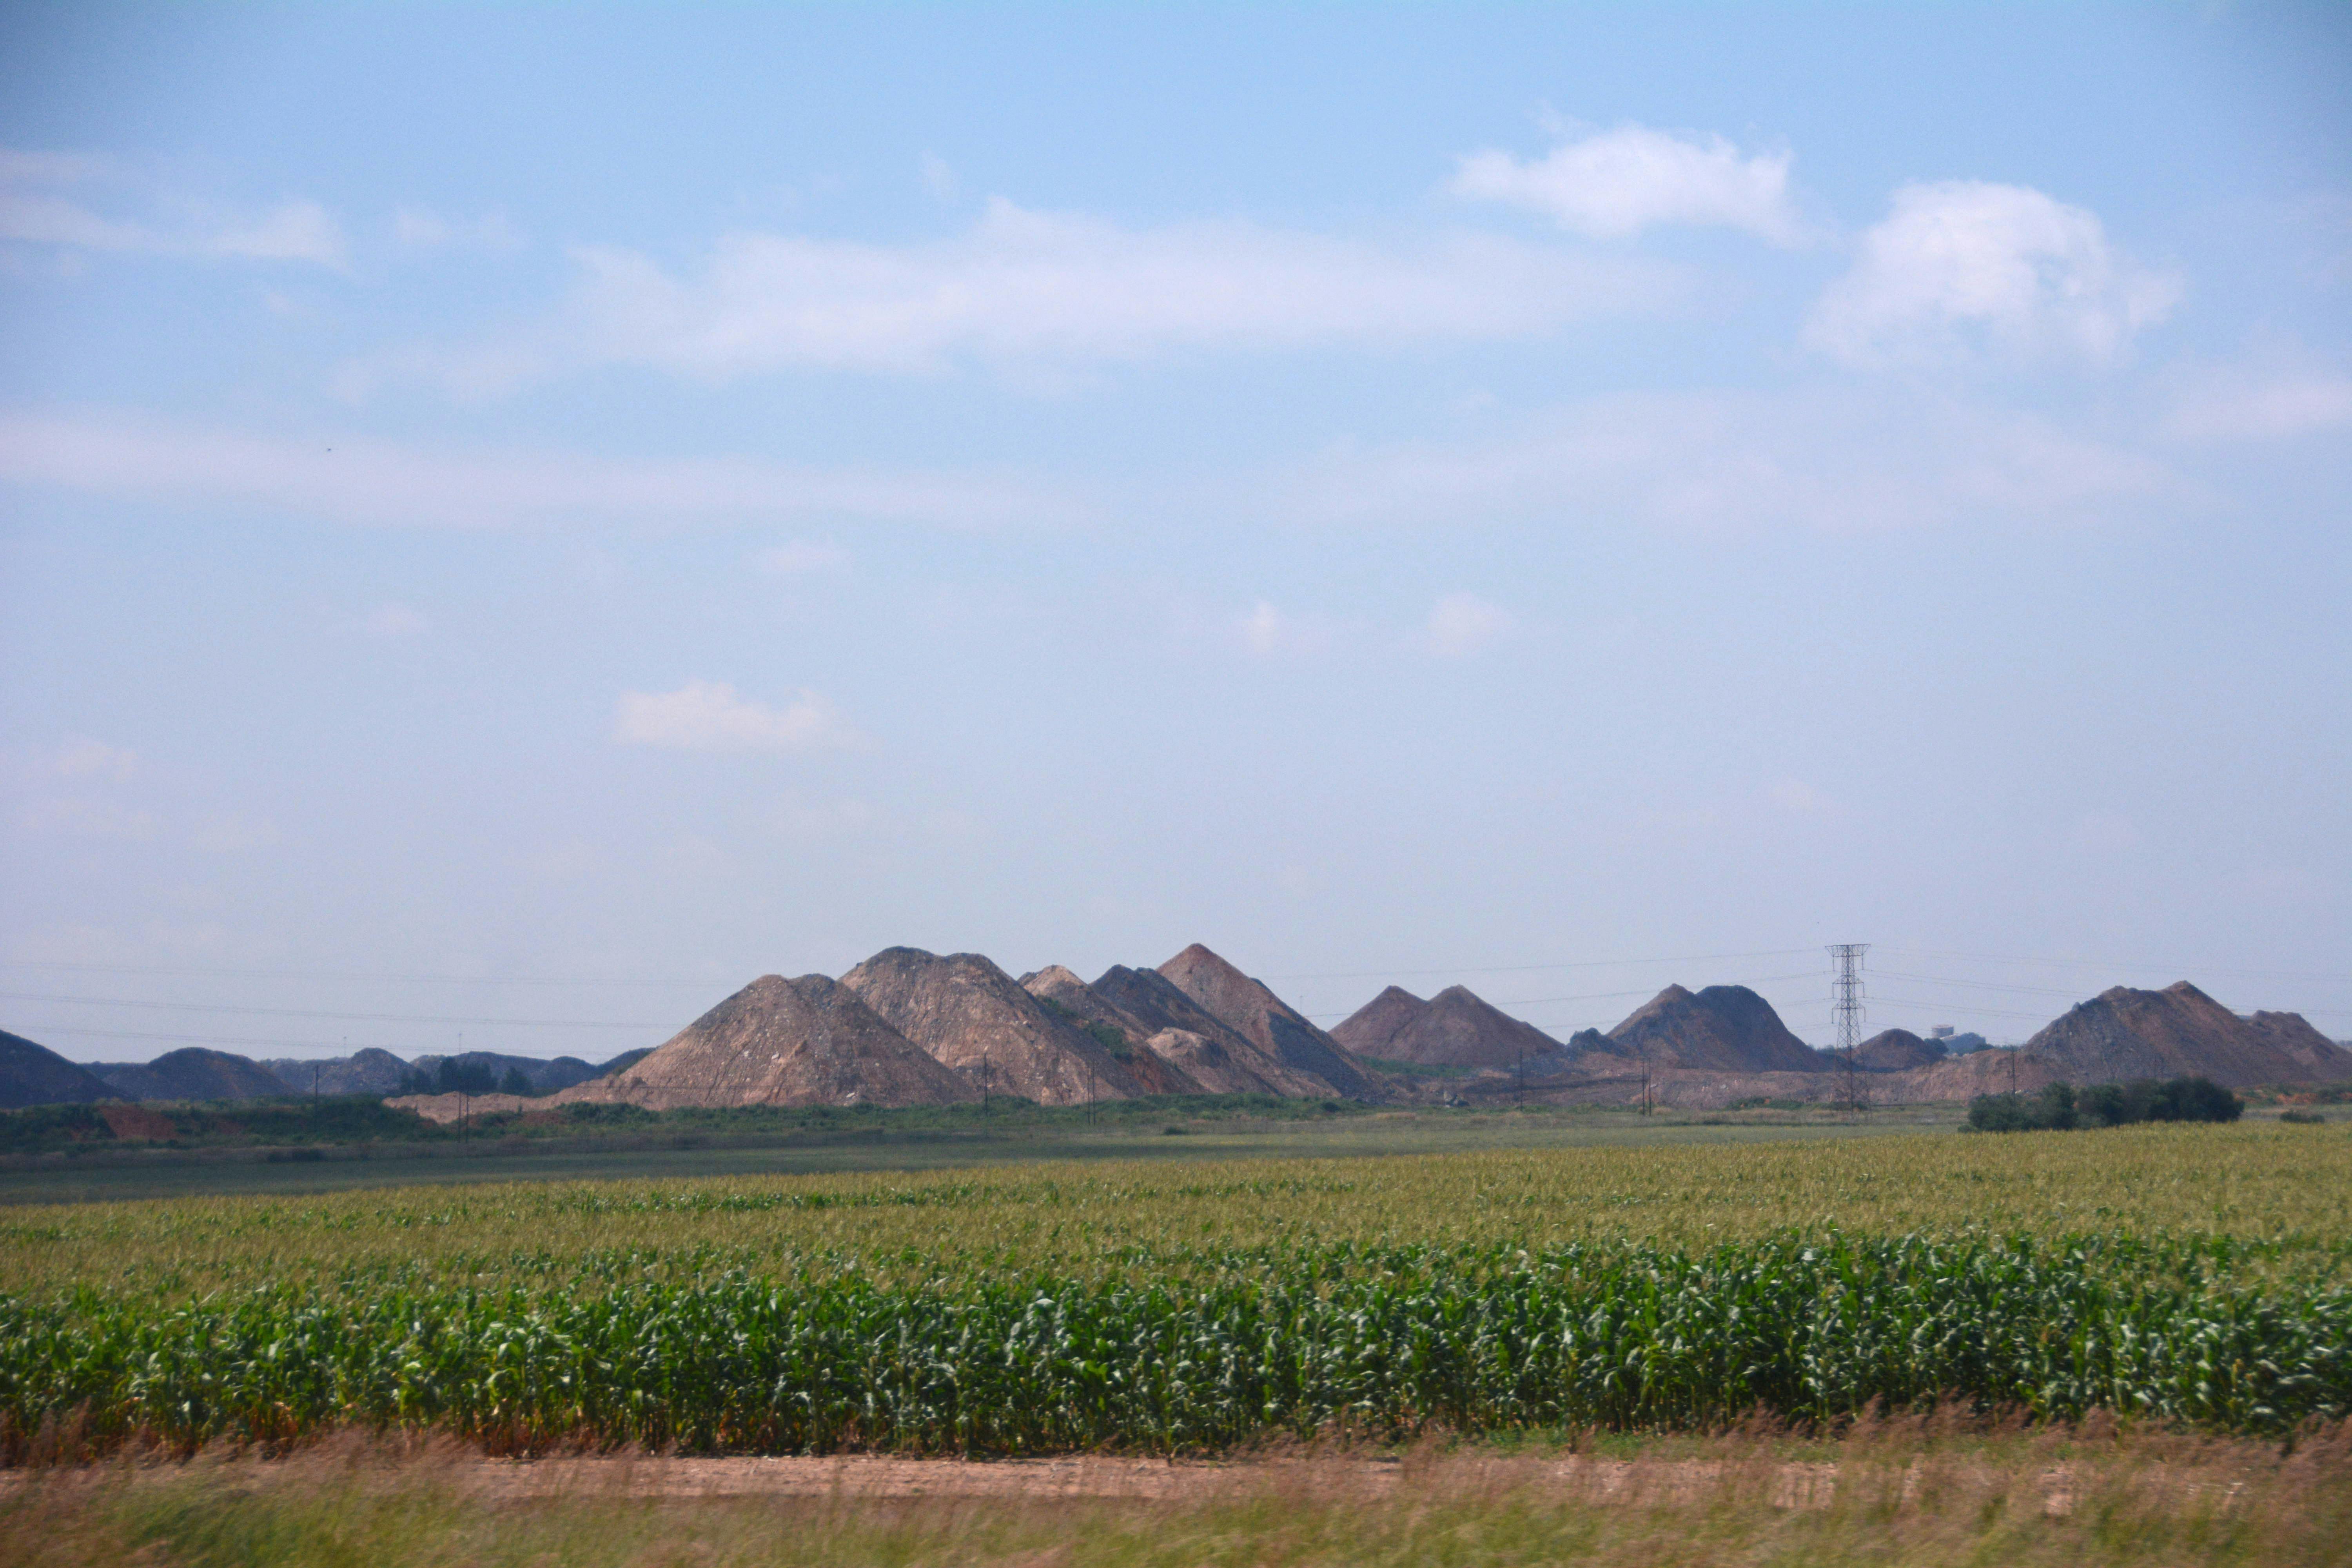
(1846, 1010)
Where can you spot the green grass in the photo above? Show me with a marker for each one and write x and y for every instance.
(762, 1142)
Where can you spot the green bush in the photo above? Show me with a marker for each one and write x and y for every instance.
(2060, 1107)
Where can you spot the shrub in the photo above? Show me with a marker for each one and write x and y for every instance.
(2060, 1107)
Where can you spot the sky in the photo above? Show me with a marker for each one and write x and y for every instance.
(515, 521)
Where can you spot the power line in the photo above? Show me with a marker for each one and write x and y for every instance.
(2340, 978)
(1591, 996)
(303, 1013)
(1525, 968)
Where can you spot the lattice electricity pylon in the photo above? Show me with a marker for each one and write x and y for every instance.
(1847, 1012)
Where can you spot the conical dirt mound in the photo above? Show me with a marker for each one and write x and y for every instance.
(1121, 1034)
(1371, 1028)
(1726, 1028)
(191, 1073)
(810, 1041)
(1898, 1051)
(976, 1019)
(1456, 1027)
(1267, 1021)
(33, 1074)
(2180, 1031)
(1212, 1053)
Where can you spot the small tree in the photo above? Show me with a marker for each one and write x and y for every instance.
(514, 1083)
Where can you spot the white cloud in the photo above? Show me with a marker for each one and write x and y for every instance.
(376, 482)
(82, 757)
(2237, 408)
(293, 231)
(1462, 624)
(395, 620)
(799, 557)
(1840, 461)
(1036, 292)
(707, 716)
(420, 228)
(1614, 185)
(1964, 267)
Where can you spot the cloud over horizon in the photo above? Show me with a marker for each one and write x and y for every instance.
(383, 483)
(1023, 289)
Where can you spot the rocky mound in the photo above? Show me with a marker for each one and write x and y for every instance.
(975, 1018)
(366, 1072)
(1211, 1052)
(1898, 1051)
(2122, 1033)
(193, 1073)
(33, 1074)
(1121, 1034)
(1456, 1027)
(1269, 1022)
(1724, 1028)
(810, 1041)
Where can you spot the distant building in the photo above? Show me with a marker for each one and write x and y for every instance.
(1940, 1032)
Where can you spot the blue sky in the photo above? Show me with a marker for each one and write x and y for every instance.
(546, 513)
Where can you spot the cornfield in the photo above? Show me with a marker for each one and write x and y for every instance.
(1298, 1340)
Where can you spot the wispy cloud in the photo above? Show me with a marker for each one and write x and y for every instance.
(36, 210)
(79, 756)
(1964, 268)
(1836, 461)
(379, 482)
(1026, 290)
(709, 716)
(1614, 185)
(2242, 405)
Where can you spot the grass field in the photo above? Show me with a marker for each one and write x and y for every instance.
(735, 1144)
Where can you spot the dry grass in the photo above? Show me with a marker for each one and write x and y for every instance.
(1898, 1493)
(2289, 1186)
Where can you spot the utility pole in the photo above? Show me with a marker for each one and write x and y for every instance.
(1846, 1010)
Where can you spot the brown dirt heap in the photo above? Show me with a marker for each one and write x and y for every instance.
(1898, 1051)
(1456, 1027)
(810, 1041)
(2126, 1033)
(1724, 1028)
(975, 1018)
(193, 1073)
(1219, 1058)
(33, 1074)
(1269, 1022)
(1057, 987)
